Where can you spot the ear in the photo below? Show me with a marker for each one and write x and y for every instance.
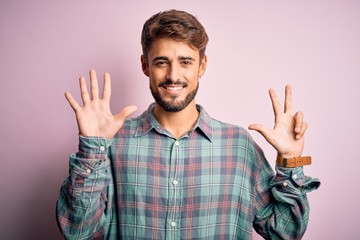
(145, 65)
(202, 67)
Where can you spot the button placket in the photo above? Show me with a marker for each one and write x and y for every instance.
(175, 191)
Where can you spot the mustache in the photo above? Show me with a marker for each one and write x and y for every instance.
(169, 82)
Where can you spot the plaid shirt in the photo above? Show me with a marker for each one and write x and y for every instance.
(212, 183)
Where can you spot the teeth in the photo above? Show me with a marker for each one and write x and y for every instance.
(175, 88)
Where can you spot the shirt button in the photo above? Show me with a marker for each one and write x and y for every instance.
(294, 176)
(177, 143)
(173, 224)
(174, 182)
(284, 184)
(102, 148)
(88, 170)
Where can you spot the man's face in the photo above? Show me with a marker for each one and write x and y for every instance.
(173, 69)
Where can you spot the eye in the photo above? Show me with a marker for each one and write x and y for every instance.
(186, 62)
(160, 63)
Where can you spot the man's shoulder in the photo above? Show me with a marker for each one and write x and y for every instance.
(129, 127)
(233, 135)
(228, 129)
(218, 124)
(133, 121)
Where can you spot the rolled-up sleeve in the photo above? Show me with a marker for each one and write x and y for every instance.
(282, 209)
(83, 199)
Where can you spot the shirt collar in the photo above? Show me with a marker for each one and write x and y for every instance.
(147, 122)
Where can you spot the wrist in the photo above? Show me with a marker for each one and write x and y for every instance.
(292, 162)
(289, 154)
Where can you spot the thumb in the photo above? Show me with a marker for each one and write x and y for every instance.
(121, 117)
(265, 132)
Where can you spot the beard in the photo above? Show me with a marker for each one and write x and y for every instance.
(173, 105)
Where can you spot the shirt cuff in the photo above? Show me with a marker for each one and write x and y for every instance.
(93, 147)
(92, 156)
(295, 177)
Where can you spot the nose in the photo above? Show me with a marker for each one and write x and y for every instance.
(173, 73)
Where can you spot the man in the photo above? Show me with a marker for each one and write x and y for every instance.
(174, 172)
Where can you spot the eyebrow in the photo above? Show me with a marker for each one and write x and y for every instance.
(167, 59)
(186, 58)
(160, 58)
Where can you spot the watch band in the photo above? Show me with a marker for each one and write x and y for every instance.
(293, 162)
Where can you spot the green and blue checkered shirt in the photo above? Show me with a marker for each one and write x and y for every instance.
(212, 183)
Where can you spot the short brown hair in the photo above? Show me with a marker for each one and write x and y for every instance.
(178, 25)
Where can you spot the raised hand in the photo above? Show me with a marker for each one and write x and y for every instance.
(94, 118)
(287, 135)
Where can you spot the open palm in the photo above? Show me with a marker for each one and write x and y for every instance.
(94, 118)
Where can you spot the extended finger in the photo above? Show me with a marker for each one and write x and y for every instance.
(288, 99)
(75, 106)
(94, 88)
(275, 103)
(121, 117)
(83, 90)
(265, 132)
(107, 87)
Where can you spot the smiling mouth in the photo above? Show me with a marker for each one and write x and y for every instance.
(173, 87)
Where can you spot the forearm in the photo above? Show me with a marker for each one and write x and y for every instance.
(81, 207)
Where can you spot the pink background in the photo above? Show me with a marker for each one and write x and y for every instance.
(254, 45)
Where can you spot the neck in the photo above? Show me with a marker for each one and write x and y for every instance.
(177, 123)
